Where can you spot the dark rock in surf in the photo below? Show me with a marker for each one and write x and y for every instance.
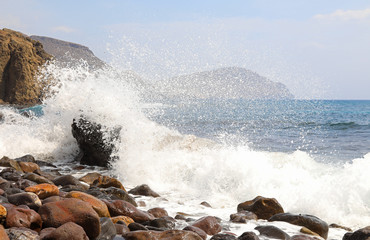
(272, 232)
(206, 204)
(144, 190)
(69, 180)
(197, 230)
(303, 237)
(361, 234)
(26, 158)
(263, 207)
(311, 222)
(96, 144)
(208, 224)
(248, 236)
(334, 225)
(120, 207)
(243, 217)
(158, 212)
(163, 223)
(223, 236)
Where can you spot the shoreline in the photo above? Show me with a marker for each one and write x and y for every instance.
(106, 192)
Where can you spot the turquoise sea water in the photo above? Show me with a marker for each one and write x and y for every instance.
(329, 130)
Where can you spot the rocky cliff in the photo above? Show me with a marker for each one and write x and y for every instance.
(20, 59)
(69, 53)
(225, 83)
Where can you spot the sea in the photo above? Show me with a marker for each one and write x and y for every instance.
(313, 156)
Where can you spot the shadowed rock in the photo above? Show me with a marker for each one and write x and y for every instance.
(311, 222)
(96, 144)
(263, 207)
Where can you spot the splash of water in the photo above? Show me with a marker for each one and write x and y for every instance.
(169, 161)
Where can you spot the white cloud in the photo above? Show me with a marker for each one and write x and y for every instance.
(63, 29)
(345, 15)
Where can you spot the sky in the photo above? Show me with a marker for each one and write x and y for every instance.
(319, 49)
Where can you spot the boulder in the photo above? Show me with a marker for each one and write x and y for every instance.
(137, 227)
(66, 180)
(334, 225)
(243, 217)
(26, 158)
(43, 190)
(22, 233)
(272, 232)
(123, 208)
(20, 60)
(20, 217)
(99, 206)
(165, 235)
(223, 236)
(303, 237)
(263, 207)
(206, 204)
(26, 198)
(108, 229)
(123, 219)
(208, 224)
(107, 182)
(311, 222)
(90, 177)
(11, 174)
(197, 230)
(3, 213)
(46, 231)
(248, 236)
(52, 199)
(308, 231)
(96, 144)
(23, 184)
(3, 234)
(7, 162)
(158, 212)
(68, 231)
(28, 166)
(163, 223)
(361, 234)
(55, 214)
(118, 194)
(121, 228)
(37, 178)
(143, 190)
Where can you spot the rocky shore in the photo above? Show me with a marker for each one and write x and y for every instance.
(37, 201)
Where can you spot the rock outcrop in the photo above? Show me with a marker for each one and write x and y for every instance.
(20, 59)
(96, 145)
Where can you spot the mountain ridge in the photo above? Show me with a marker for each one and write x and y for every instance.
(225, 83)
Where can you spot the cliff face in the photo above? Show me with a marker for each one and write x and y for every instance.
(225, 83)
(20, 59)
(69, 53)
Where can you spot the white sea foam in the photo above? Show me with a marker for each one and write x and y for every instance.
(185, 169)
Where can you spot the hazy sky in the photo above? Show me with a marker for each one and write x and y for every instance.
(318, 48)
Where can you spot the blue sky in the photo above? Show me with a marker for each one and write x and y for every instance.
(319, 49)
